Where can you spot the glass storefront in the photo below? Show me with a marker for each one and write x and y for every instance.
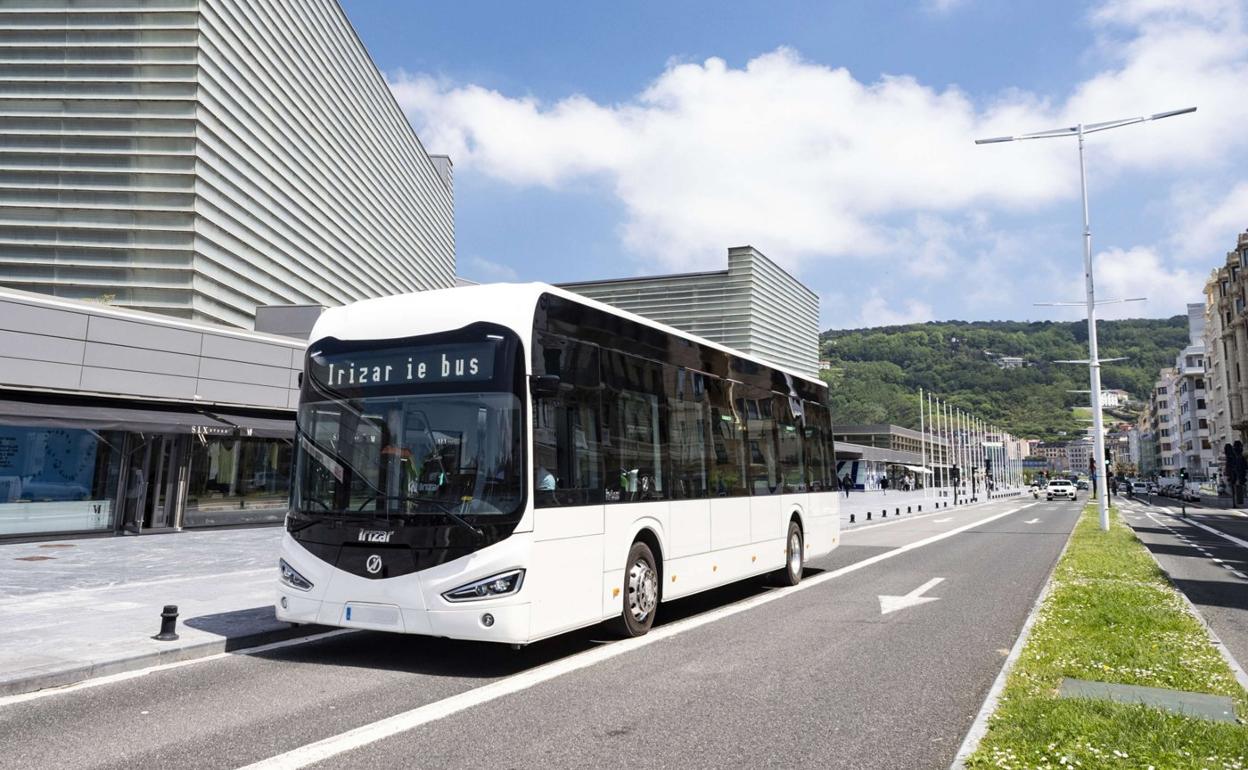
(55, 479)
(235, 480)
(100, 468)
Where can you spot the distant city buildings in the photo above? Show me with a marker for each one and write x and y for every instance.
(1174, 431)
(1226, 350)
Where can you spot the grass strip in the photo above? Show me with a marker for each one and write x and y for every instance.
(1112, 616)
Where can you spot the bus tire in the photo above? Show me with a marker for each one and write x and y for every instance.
(791, 573)
(641, 592)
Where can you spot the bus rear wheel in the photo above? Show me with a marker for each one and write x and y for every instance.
(641, 592)
(791, 573)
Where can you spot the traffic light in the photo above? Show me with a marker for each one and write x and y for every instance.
(1183, 474)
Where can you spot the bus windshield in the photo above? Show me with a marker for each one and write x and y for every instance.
(423, 425)
(454, 453)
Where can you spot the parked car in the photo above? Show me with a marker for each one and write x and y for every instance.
(1081, 484)
(1060, 488)
(1139, 488)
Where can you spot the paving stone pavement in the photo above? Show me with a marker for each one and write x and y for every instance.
(89, 607)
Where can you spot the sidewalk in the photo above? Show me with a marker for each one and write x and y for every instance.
(78, 609)
(871, 505)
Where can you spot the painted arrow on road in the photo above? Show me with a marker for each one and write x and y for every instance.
(1033, 521)
(913, 599)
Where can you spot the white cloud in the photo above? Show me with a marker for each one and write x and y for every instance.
(480, 269)
(892, 310)
(796, 157)
(1207, 225)
(809, 163)
(1140, 272)
(941, 7)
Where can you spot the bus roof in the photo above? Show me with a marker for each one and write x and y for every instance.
(508, 304)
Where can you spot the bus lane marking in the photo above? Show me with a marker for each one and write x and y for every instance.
(364, 735)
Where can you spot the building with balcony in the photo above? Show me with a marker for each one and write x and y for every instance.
(1192, 449)
(197, 158)
(1226, 349)
(753, 306)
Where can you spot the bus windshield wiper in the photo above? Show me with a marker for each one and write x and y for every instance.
(446, 508)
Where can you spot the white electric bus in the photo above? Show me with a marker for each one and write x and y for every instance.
(508, 462)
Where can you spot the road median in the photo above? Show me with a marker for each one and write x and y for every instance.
(1112, 617)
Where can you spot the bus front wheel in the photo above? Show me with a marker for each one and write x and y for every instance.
(641, 592)
(791, 573)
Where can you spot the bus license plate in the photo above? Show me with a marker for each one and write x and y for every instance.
(386, 615)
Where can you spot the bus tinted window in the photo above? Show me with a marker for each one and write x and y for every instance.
(634, 428)
(687, 444)
(789, 438)
(760, 429)
(727, 441)
(567, 459)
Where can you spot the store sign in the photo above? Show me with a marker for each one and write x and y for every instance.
(370, 368)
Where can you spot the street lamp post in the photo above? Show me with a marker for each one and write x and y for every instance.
(1094, 364)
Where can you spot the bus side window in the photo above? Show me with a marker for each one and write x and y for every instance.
(687, 441)
(816, 432)
(760, 429)
(727, 441)
(635, 432)
(788, 432)
(567, 462)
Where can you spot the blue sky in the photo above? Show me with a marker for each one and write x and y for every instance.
(595, 142)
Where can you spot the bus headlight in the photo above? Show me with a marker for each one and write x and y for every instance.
(502, 584)
(292, 578)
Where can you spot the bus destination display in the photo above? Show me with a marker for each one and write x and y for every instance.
(398, 366)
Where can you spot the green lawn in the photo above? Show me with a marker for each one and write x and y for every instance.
(1112, 616)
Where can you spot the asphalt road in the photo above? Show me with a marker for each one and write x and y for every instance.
(742, 676)
(1211, 570)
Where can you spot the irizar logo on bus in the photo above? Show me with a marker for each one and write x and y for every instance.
(374, 536)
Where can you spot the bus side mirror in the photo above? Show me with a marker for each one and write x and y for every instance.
(544, 385)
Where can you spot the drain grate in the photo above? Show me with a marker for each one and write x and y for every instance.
(1193, 704)
(34, 558)
(56, 545)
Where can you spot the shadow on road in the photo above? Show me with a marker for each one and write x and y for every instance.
(432, 656)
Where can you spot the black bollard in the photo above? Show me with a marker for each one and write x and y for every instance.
(868, 515)
(851, 518)
(168, 619)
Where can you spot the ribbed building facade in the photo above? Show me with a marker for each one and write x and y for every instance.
(754, 306)
(201, 157)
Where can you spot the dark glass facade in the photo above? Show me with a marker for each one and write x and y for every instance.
(641, 414)
(55, 479)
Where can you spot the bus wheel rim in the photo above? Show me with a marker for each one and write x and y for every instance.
(795, 553)
(643, 590)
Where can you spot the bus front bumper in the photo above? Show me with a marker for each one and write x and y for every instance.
(412, 603)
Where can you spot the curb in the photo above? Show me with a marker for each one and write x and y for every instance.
(23, 683)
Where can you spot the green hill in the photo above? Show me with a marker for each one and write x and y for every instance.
(876, 373)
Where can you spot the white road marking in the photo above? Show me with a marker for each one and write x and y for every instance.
(124, 675)
(913, 599)
(409, 720)
(1237, 541)
(1032, 521)
(942, 521)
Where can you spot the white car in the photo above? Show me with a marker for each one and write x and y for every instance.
(1060, 488)
(1139, 488)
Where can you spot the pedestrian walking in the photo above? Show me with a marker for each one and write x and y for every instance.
(884, 484)
(846, 485)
